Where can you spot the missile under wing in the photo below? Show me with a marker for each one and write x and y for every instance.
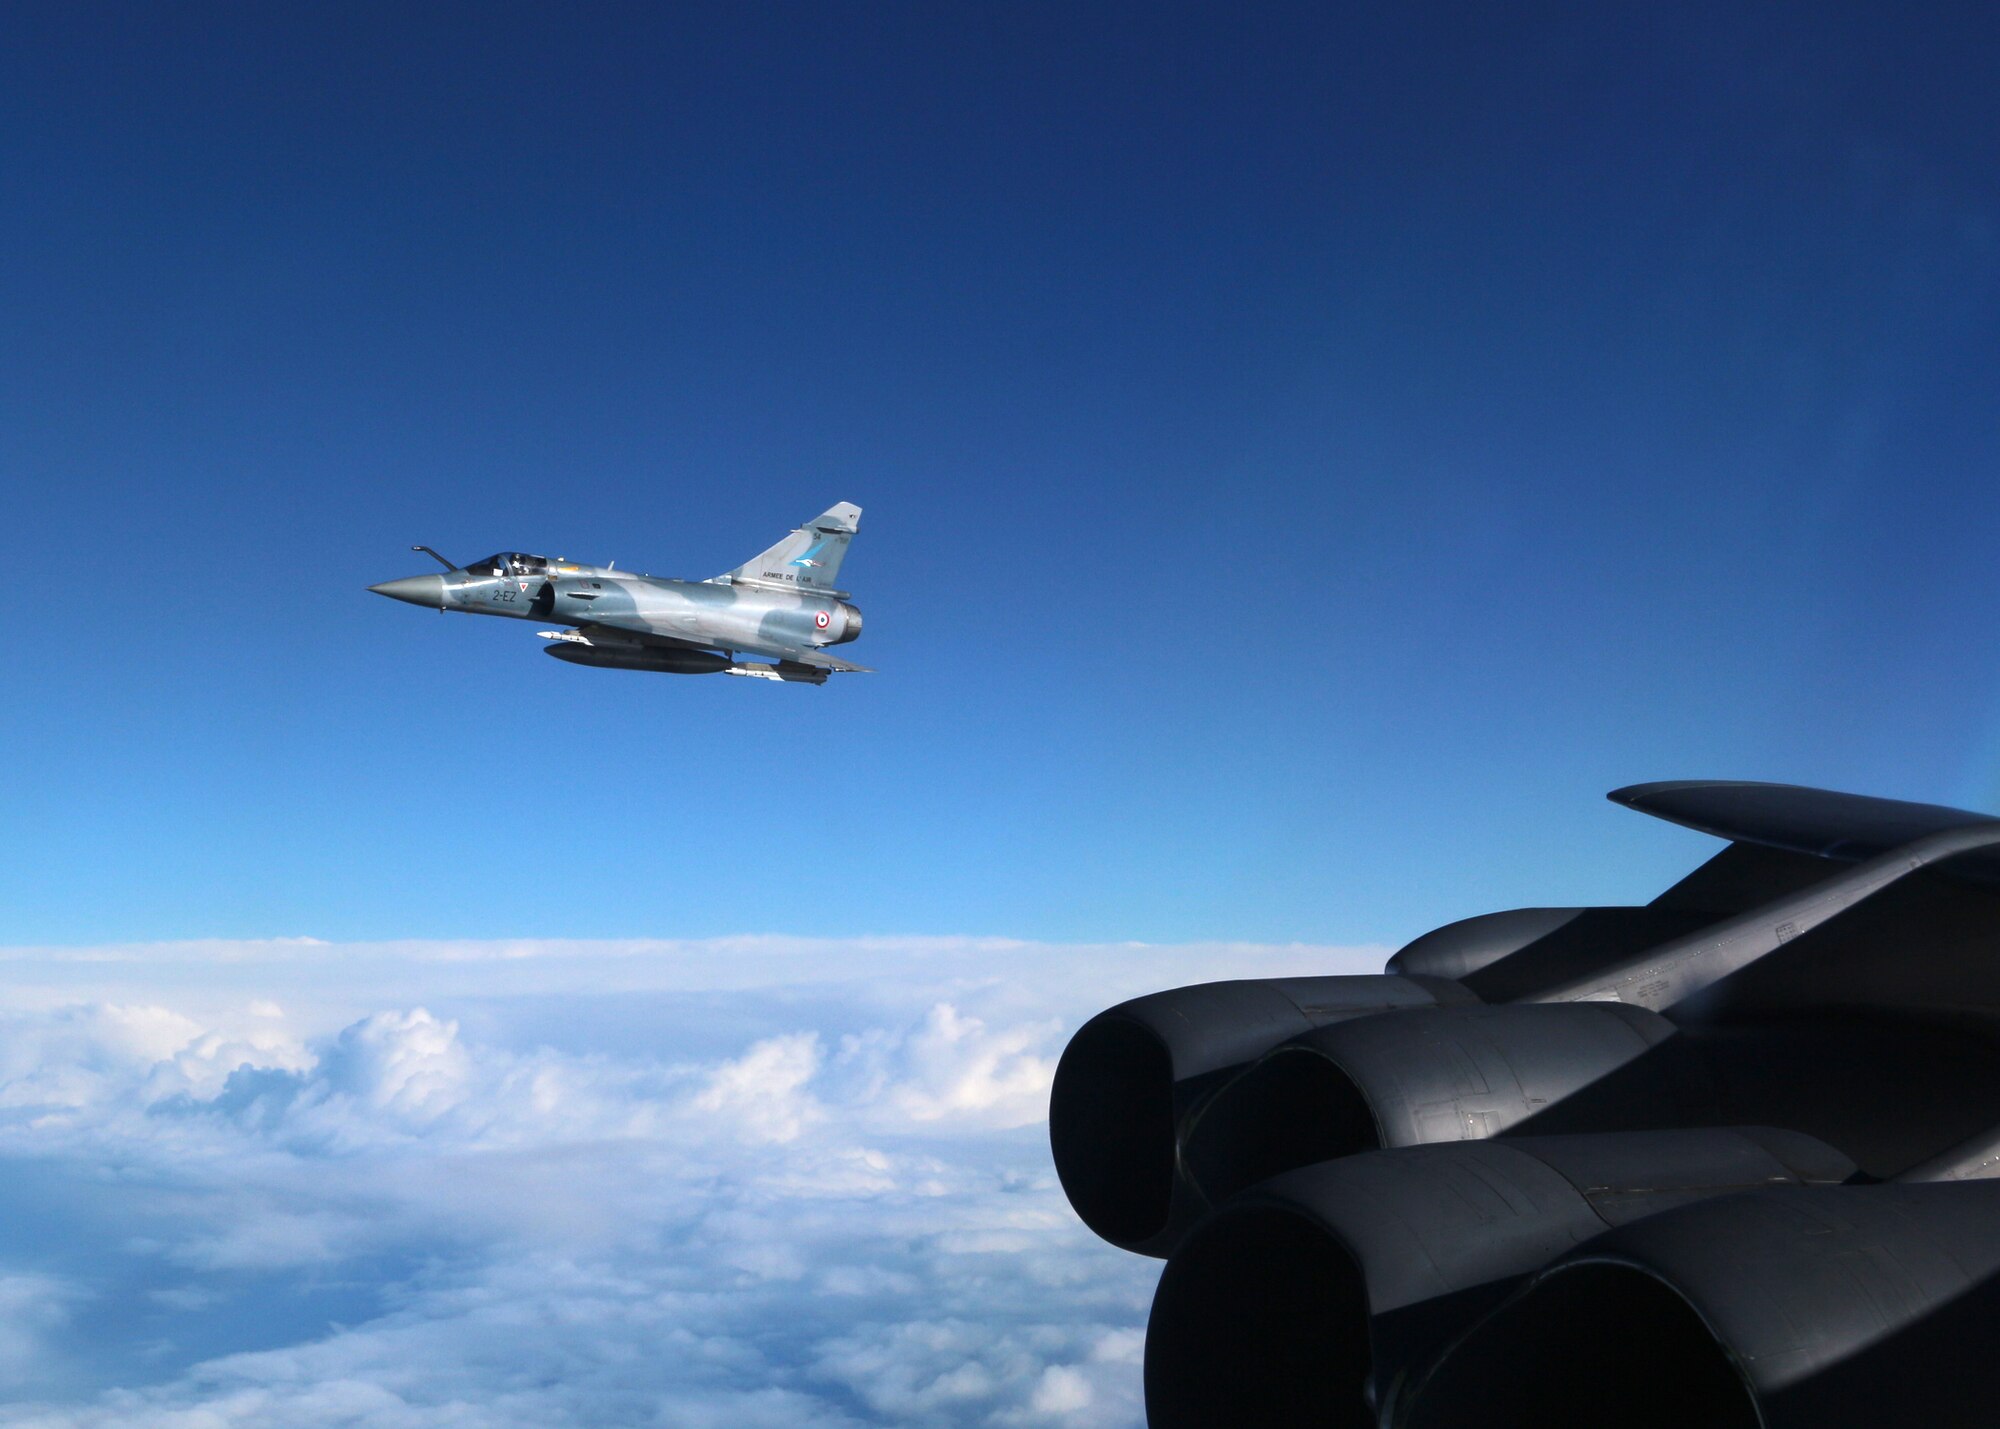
(781, 605)
(1721, 1159)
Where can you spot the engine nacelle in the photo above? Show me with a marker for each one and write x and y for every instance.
(1781, 1309)
(1133, 1075)
(1426, 1075)
(1514, 954)
(1317, 1296)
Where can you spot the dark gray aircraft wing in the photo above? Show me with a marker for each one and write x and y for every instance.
(1788, 816)
(1720, 1159)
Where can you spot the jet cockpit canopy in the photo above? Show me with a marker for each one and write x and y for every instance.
(510, 563)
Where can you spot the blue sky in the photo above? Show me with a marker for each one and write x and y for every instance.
(1309, 454)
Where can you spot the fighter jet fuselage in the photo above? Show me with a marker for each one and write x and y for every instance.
(779, 605)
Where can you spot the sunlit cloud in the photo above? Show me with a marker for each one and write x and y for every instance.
(800, 1184)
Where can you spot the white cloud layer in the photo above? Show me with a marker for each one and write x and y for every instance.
(742, 1183)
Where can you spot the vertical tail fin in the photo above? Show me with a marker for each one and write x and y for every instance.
(809, 558)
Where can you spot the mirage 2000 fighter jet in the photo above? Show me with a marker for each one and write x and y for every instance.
(781, 605)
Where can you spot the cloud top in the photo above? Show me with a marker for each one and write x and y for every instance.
(724, 1195)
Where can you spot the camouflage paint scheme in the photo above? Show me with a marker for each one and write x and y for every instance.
(780, 605)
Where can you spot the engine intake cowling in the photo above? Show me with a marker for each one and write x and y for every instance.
(1132, 1076)
(1316, 1296)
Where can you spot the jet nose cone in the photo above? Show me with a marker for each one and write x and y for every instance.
(417, 590)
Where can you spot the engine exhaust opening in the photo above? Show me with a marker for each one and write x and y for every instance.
(1295, 1108)
(1592, 1344)
(1261, 1318)
(1111, 1128)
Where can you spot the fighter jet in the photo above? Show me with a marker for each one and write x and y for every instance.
(780, 604)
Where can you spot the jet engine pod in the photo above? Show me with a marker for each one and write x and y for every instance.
(1822, 1307)
(1470, 944)
(1131, 1076)
(1316, 1296)
(1409, 1078)
(1554, 944)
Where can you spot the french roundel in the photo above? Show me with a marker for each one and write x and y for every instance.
(822, 619)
